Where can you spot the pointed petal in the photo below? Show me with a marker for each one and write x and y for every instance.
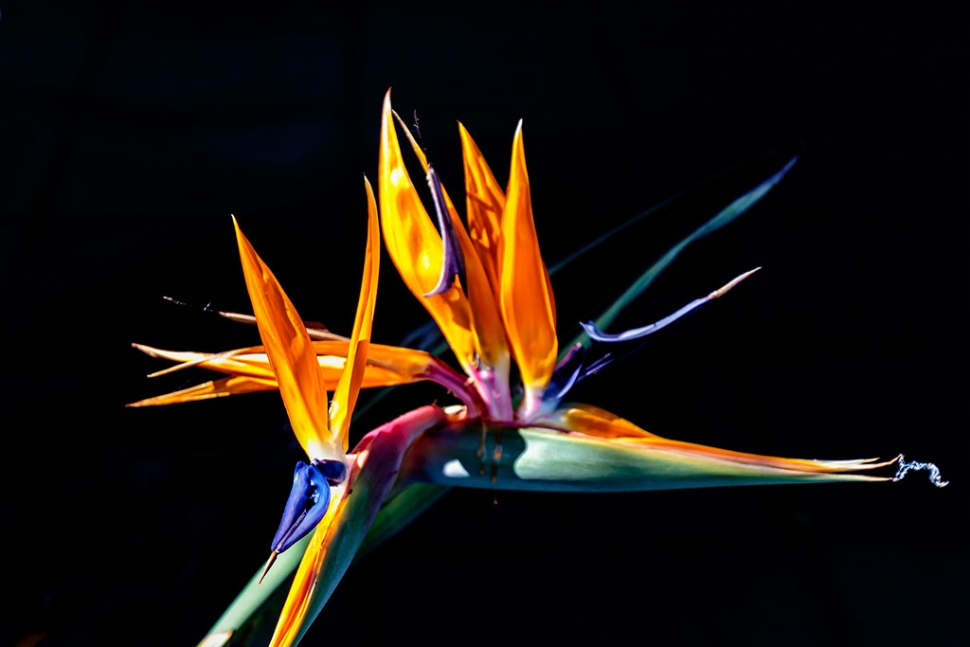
(593, 421)
(580, 362)
(527, 303)
(340, 533)
(406, 361)
(350, 382)
(215, 389)
(315, 330)
(307, 504)
(544, 459)
(224, 362)
(453, 261)
(293, 620)
(638, 333)
(376, 373)
(386, 366)
(487, 331)
(569, 370)
(414, 245)
(189, 359)
(290, 352)
(484, 203)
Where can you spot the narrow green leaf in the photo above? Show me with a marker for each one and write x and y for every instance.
(252, 615)
(726, 215)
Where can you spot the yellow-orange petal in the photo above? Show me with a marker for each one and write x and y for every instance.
(593, 421)
(224, 362)
(414, 244)
(408, 364)
(215, 389)
(802, 465)
(345, 397)
(290, 353)
(484, 202)
(253, 373)
(386, 365)
(528, 308)
(488, 331)
(375, 375)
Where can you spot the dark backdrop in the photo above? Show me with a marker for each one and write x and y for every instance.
(131, 130)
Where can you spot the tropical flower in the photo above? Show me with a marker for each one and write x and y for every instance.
(320, 500)
(489, 292)
(502, 306)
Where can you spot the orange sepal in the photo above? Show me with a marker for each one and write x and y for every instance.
(593, 421)
(345, 397)
(215, 389)
(414, 244)
(527, 303)
(386, 365)
(484, 202)
(488, 332)
(290, 353)
(599, 423)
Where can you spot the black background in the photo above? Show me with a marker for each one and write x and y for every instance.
(130, 131)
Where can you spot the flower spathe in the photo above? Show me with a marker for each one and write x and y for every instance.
(489, 292)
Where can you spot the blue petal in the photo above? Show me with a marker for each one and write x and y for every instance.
(307, 505)
(580, 363)
(638, 333)
(452, 262)
(334, 471)
(725, 216)
(568, 371)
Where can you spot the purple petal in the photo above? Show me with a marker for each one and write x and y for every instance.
(638, 333)
(452, 262)
(308, 503)
(579, 363)
(568, 371)
(334, 471)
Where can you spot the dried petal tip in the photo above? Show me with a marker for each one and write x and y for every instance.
(269, 565)
(721, 291)
(914, 466)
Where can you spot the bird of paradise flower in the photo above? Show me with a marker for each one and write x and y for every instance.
(489, 292)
